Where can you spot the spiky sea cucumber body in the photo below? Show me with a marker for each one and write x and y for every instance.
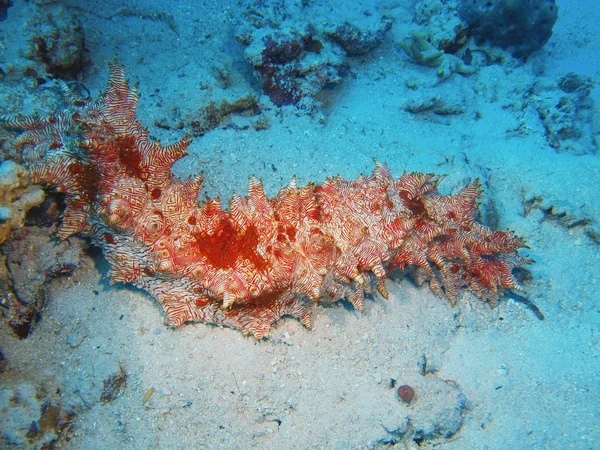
(263, 258)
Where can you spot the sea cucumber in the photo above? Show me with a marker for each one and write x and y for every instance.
(263, 258)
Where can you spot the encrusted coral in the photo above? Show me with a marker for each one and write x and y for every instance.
(17, 197)
(263, 258)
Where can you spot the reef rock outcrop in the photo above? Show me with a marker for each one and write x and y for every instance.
(517, 26)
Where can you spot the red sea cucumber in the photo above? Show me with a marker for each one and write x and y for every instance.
(264, 258)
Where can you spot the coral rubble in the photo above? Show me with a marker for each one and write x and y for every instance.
(263, 258)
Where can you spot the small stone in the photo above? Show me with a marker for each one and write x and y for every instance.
(406, 393)
(503, 370)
